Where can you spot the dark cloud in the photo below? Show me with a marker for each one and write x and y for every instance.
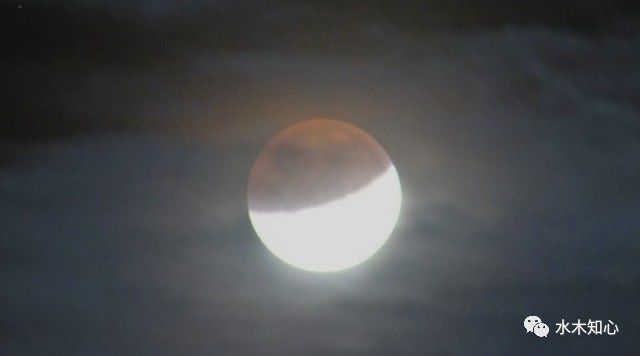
(73, 67)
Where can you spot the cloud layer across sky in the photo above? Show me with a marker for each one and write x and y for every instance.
(126, 232)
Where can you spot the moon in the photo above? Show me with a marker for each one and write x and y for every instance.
(323, 195)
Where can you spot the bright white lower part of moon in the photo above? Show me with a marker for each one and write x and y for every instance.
(338, 234)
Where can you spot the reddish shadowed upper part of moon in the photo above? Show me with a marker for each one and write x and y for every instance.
(314, 162)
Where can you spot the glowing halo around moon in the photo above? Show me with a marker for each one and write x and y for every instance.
(324, 196)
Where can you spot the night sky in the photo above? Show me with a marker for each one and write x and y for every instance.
(128, 130)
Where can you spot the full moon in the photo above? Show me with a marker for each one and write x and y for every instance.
(323, 195)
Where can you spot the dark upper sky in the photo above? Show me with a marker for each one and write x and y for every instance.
(129, 129)
(53, 46)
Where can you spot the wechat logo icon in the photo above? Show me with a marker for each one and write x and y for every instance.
(535, 325)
